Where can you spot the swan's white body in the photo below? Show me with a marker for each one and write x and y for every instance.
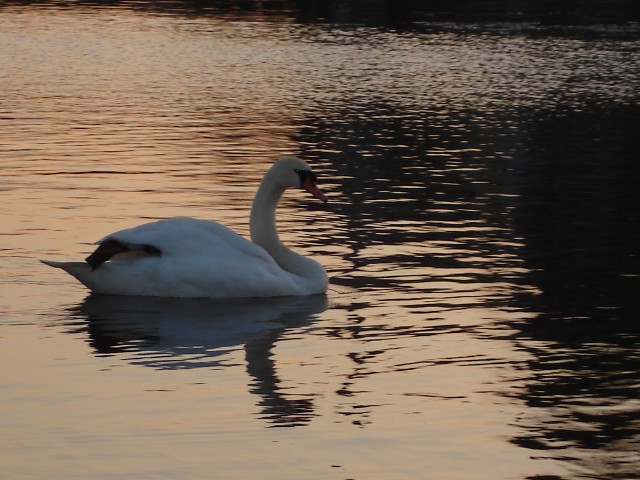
(203, 259)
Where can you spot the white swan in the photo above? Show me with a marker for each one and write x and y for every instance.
(186, 257)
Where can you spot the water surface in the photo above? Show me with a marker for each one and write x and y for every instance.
(481, 237)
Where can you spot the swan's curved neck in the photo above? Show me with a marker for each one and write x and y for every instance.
(264, 233)
(311, 277)
(263, 215)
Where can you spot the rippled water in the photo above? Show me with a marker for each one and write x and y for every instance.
(481, 237)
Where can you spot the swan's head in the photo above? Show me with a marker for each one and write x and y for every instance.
(292, 172)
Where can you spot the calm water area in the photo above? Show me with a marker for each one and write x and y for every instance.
(481, 238)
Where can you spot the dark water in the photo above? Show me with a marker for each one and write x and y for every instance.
(481, 238)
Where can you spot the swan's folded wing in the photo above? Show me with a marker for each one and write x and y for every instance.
(112, 247)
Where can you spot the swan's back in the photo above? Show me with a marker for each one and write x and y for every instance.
(187, 236)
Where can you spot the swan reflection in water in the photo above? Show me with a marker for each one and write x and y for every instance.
(174, 333)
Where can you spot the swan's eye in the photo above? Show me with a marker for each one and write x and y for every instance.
(306, 176)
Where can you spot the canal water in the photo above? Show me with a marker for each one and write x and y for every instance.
(481, 238)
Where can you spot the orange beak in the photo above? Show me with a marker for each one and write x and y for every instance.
(310, 186)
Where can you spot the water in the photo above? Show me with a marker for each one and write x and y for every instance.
(481, 238)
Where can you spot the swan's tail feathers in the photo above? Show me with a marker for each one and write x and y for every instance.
(80, 270)
(77, 269)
